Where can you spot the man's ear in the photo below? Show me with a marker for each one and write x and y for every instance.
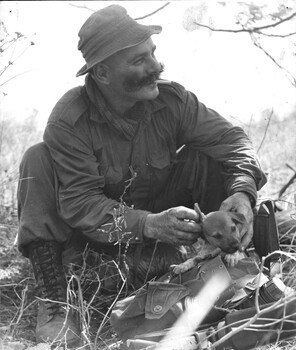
(101, 73)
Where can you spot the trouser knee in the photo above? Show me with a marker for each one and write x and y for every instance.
(38, 214)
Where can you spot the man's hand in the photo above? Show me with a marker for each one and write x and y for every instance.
(179, 226)
(240, 202)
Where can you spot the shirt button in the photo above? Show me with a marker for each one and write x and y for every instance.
(157, 308)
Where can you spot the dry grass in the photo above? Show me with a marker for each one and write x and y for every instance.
(18, 306)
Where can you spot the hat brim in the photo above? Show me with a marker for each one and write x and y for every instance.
(83, 70)
(152, 30)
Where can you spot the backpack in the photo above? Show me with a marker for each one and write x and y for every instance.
(266, 237)
(155, 306)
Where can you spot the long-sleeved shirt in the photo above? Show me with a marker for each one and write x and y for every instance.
(97, 152)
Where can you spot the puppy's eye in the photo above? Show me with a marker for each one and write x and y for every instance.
(217, 235)
(233, 228)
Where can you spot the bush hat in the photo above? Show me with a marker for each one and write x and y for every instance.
(108, 31)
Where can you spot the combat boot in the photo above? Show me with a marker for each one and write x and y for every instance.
(56, 322)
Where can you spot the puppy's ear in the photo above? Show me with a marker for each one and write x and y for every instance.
(238, 218)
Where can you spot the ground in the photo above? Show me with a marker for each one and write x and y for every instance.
(18, 307)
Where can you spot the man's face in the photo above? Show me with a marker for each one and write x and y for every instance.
(133, 72)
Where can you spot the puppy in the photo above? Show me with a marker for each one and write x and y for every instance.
(221, 234)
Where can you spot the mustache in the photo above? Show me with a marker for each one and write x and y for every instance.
(135, 83)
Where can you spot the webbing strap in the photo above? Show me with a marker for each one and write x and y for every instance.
(266, 237)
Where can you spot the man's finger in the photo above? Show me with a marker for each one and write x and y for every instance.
(246, 239)
(183, 213)
(188, 226)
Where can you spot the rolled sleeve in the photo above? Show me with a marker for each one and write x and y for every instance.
(204, 129)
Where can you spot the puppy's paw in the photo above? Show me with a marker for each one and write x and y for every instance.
(232, 260)
(183, 267)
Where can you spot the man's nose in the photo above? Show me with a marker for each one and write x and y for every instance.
(154, 65)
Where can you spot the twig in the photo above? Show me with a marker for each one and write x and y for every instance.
(265, 132)
(12, 61)
(82, 7)
(278, 35)
(106, 315)
(152, 13)
(258, 30)
(288, 184)
(21, 308)
(15, 76)
(247, 323)
(249, 30)
(138, 18)
(289, 76)
(290, 167)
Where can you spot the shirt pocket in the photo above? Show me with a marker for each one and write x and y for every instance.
(160, 159)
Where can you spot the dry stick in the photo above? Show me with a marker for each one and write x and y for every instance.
(11, 62)
(257, 30)
(289, 75)
(152, 13)
(84, 324)
(21, 308)
(277, 35)
(259, 313)
(136, 19)
(290, 167)
(287, 234)
(15, 76)
(249, 30)
(265, 132)
(289, 183)
(109, 310)
(83, 7)
(248, 323)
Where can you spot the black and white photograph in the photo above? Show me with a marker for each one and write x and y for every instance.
(148, 175)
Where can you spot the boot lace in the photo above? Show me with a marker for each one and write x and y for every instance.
(51, 280)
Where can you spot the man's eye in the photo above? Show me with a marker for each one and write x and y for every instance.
(139, 61)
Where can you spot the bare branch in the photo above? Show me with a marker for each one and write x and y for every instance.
(289, 76)
(265, 132)
(15, 76)
(258, 30)
(290, 167)
(289, 183)
(152, 13)
(138, 18)
(82, 7)
(277, 35)
(250, 30)
(276, 23)
(220, 29)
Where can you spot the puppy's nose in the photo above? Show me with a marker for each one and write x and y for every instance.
(233, 249)
(234, 245)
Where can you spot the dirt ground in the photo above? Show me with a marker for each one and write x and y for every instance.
(18, 307)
